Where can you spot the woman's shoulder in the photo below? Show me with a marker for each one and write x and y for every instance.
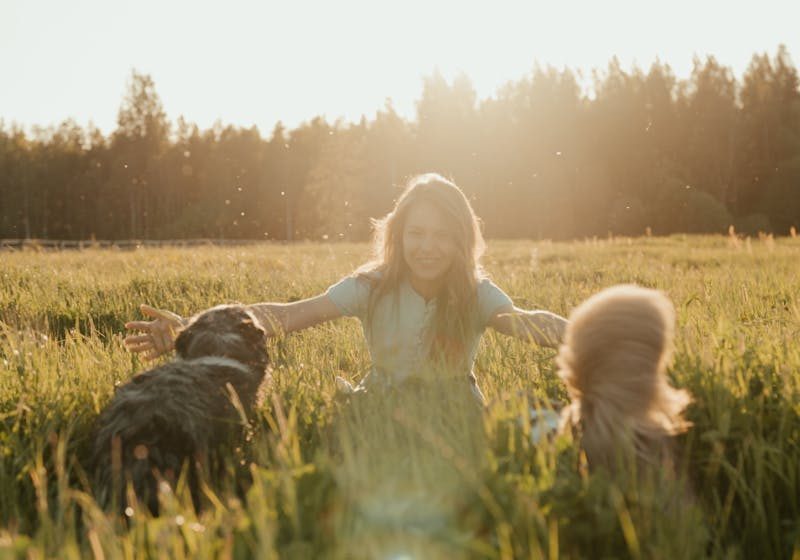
(369, 276)
(369, 273)
(485, 283)
(351, 294)
(490, 293)
(490, 299)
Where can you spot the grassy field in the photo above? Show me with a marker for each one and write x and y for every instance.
(419, 479)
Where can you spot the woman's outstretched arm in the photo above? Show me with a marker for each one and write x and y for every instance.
(157, 337)
(542, 327)
(283, 318)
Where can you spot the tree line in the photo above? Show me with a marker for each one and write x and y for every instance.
(541, 158)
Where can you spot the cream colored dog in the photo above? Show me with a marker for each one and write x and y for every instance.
(616, 350)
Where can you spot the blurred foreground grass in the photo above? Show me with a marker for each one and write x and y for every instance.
(412, 478)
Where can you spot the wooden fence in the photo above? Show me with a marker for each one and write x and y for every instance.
(126, 244)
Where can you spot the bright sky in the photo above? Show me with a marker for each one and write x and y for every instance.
(258, 62)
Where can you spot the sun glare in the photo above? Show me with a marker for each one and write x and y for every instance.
(260, 63)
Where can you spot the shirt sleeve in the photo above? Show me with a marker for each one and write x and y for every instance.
(490, 299)
(351, 296)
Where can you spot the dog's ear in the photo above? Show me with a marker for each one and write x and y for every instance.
(254, 337)
(250, 330)
(183, 341)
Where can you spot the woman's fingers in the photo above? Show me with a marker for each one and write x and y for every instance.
(158, 335)
(150, 349)
(133, 341)
(151, 311)
(137, 348)
(163, 314)
(136, 339)
(138, 325)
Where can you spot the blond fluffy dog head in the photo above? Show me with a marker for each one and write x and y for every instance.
(616, 350)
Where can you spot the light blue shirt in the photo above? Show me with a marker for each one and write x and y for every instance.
(400, 336)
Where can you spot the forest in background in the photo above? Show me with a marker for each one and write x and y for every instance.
(542, 158)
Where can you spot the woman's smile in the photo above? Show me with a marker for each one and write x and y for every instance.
(428, 246)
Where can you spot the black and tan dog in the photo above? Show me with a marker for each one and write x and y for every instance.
(186, 414)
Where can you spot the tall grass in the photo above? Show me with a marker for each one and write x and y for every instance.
(420, 474)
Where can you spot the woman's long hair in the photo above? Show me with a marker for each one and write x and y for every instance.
(613, 361)
(456, 303)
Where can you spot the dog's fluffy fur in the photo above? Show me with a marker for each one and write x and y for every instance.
(616, 350)
(183, 414)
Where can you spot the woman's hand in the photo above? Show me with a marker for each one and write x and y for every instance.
(158, 335)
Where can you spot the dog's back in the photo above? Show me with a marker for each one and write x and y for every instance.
(180, 415)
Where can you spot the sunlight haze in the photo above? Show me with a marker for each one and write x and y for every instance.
(260, 62)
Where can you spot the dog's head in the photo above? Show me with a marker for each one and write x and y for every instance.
(613, 361)
(230, 331)
(617, 344)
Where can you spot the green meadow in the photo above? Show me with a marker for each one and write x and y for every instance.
(408, 477)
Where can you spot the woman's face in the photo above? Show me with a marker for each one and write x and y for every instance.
(429, 246)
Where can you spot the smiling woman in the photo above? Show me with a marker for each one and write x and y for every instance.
(423, 301)
(428, 247)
